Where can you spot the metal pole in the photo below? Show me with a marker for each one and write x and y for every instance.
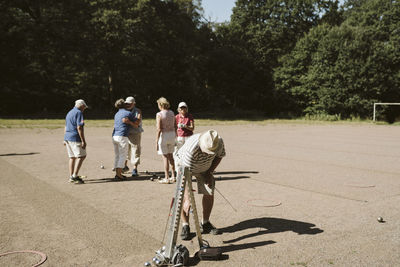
(374, 111)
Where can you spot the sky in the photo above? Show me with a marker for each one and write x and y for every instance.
(218, 10)
(221, 10)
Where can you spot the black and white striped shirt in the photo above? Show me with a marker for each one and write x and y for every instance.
(190, 155)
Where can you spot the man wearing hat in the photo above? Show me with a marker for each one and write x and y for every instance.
(74, 140)
(134, 136)
(201, 153)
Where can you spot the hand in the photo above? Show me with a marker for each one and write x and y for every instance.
(208, 179)
(84, 145)
(64, 143)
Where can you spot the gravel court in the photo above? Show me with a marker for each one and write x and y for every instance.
(321, 221)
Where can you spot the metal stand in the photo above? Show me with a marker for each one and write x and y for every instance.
(170, 254)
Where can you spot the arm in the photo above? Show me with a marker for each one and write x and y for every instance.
(128, 121)
(82, 135)
(214, 164)
(176, 127)
(65, 130)
(190, 127)
(209, 177)
(158, 131)
(138, 118)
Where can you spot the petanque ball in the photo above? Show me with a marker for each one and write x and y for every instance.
(101, 167)
(380, 219)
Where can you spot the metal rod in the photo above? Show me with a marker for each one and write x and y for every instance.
(225, 199)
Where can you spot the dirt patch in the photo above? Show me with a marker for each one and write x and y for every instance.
(322, 176)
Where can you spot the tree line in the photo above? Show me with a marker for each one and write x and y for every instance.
(274, 58)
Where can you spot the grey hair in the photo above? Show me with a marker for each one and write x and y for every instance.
(120, 103)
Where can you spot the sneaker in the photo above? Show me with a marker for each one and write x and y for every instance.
(172, 180)
(125, 169)
(117, 178)
(164, 181)
(185, 234)
(79, 180)
(209, 228)
(76, 180)
(134, 172)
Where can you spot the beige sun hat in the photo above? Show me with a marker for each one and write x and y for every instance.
(209, 141)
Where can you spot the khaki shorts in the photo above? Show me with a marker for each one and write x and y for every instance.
(202, 188)
(75, 149)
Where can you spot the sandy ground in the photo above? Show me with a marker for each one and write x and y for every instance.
(332, 181)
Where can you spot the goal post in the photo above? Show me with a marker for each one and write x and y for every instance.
(388, 104)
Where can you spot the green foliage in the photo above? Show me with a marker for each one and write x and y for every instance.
(345, 69)
(285, 58)
(250, 46)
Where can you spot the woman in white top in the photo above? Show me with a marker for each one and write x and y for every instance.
(166, 134)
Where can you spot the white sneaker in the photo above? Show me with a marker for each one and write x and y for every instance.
(172, 180)
(164, 181)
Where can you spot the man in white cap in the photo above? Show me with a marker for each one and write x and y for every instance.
(201, 153)
(134, 136)
(74, 140)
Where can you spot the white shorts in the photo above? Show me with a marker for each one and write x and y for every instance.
(121, 146)
(75, 149)
(166, 143)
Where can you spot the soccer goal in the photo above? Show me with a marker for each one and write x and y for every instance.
(383, 104)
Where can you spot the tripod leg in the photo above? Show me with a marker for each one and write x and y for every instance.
(172, 232)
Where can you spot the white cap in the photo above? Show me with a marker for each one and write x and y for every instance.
(182, 104)
(80, 103)
(209, 141)
(130, 100)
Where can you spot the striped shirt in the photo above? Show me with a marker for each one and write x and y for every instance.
(190, 155)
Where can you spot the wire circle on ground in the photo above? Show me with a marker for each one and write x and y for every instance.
(360, 185)
(41, 254)
(263, 203)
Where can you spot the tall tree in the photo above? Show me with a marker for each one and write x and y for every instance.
(262, 31)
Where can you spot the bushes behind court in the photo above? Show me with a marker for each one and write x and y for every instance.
(273, 58)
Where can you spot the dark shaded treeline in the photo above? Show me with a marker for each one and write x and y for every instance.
(274, 58)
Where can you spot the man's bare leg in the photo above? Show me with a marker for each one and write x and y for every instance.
(186, 207)
(78, 165)
(71, 166)
(208, 203)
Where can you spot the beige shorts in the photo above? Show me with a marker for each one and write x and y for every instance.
(203, 188)
(75, 149)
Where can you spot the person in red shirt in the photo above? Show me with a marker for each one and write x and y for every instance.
(185, 125)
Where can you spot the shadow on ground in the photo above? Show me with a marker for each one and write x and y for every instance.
(144, 176)
(234, 172)
(268, 225)
(113, 180)
(229, 248)
(19, 154)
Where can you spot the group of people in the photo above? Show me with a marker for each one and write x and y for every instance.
(175, 141)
